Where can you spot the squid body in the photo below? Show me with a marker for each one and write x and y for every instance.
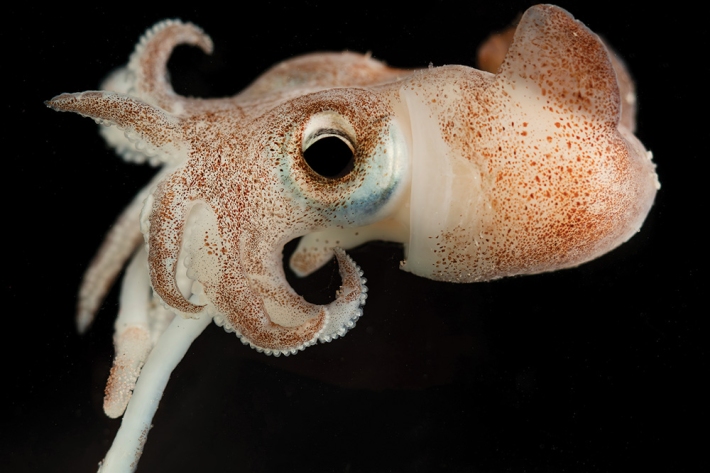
(479, 175)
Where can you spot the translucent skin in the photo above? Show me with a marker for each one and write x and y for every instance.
(480, 176)
(534, 168)
(530, 170)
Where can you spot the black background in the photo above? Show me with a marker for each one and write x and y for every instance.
(594, 369)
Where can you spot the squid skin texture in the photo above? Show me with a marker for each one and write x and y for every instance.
(478, 175)
(531, 166)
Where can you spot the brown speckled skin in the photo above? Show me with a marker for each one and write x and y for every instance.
(237, 149)
(561, 181)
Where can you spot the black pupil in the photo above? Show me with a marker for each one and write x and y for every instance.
(330, 157)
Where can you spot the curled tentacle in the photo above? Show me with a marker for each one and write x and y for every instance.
(234, 271)
(248, 317)
(162, 223)
(346, 309)
(242, 278)
(149, 60)
(252, 316)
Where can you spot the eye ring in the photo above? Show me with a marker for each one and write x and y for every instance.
(329, 145)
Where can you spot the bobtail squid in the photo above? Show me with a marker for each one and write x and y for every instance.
(479, 175)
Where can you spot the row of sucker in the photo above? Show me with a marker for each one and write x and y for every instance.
(351, 297)
(340, 315)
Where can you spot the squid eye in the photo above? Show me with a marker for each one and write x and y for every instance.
(329, 145)
(330, 154)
